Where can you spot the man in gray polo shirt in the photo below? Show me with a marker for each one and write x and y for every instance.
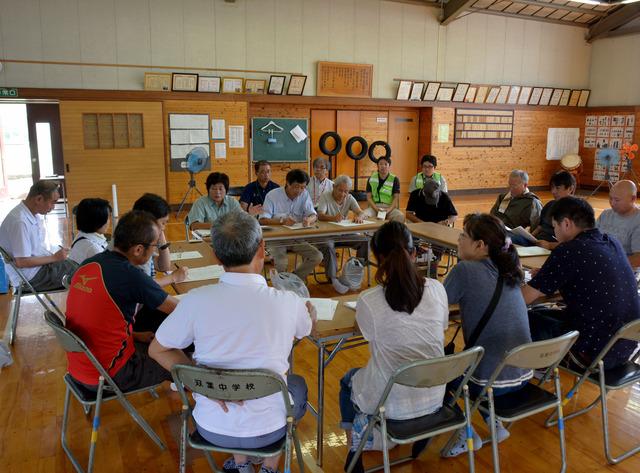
(22, 235)
(622, 220)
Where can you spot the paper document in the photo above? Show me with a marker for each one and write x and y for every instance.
(351, 223)
(523, 233)
(326, 308)
(532, 251)
(295, 226)
(203, 232)
(351, 304)
(382, 214)
(180, 255)
(204, 273)
(266, 228)
(298, 134)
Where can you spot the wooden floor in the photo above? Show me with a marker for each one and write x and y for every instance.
(31, 404)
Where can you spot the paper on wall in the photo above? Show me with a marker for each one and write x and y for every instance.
(298, 134)
(189, 136)
(186, 122)
(217, 129)
(181, 151)
(236, 136)
(561, 141)
(220, 150)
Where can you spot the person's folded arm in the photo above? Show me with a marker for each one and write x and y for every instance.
(167, 357)
(530, 294)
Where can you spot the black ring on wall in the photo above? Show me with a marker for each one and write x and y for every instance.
(323, 143)
(387, 151)
(363, 144)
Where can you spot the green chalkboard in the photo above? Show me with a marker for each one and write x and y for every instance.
(279, 145)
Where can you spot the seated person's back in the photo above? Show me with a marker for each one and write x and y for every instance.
(92, 220)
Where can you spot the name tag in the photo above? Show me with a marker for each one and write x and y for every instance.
(382, 214)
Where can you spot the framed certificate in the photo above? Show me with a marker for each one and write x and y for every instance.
(513, 95)
(545, 98)
(493, 95)
(417, 90)
(525, 93)
(536, 93)
(481, 95)
(432, 91)
(254, 86)
(503, 95)
(564, 98)
(471, 94)
(157, 81)
(555, 97)
(584, 98)
(404, 90)
(184, 82)
(573, 99)
(296, 84)
(276, 85)
(445, 94)
(232, 85)
(460, 92)
(209, 84)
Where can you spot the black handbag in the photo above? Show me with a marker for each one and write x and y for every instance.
(449, 348)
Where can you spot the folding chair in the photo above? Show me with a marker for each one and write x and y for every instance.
(235, 191)
(233, 385)
(27, 289)
(424, 374)
(607, 380)
(107, 391)
(531, 399)
(189, 227)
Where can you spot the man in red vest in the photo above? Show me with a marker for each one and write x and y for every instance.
(105, 293)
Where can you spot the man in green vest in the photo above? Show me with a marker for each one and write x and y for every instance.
(383, 193)
(429, 164)
(519, 207)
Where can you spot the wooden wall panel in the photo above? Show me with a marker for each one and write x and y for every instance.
(348, 125)
(403, 139)
(374, 126)
(424, 134)
(488, 168)
(321, 122)
(237, 163)
(91, 172)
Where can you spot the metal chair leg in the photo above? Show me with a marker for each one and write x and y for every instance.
(63, 433)
(14, 315)
(141, 422)
(385, 446)
(96, 424)
(563, 447)
(468, 428)
(183, 439)
(492, 428)
(363, 441)
(296, 444)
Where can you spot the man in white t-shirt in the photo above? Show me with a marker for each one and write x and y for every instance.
(622, 220)
(335, 206)
(22, 235)
(250, 326)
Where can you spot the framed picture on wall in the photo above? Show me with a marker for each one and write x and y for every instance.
(545, 98)
(481, 95)
(417, 89)
(254, 86)
(461, 92)
(209, 84)
(513, 95)
(232, 85)
(157, 81)
(432, 91)
(404, 90)
(584, 98)
(503, 95)
(471, 94)
(573, 100)
(276, 85)
(536, 94)
(564, 98)
(296, 84)
(493, 95)
(525, 93)
(184, 82)
(445, 94)
(555, 97)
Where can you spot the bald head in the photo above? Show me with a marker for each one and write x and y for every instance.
(622, 197)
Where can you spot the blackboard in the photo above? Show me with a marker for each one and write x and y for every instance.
(285, 148)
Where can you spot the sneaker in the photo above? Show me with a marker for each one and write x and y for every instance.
(173, 387)
(339, 287)
(230, 466)
(460, 444)
(502, 433)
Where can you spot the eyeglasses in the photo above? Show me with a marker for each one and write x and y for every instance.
(160, 247)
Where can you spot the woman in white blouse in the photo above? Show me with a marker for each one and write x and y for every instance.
(92, 221)
(404, 318)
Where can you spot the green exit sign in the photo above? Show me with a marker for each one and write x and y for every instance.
(4, 92)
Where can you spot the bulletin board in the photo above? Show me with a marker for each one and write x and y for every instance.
(186, 132)
(279, 145)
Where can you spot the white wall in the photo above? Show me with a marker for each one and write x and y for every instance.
(401, 40)
(615, 71)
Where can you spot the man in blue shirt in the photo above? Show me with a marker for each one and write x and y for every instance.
(254, 193)
(288, 206)
(593, 275)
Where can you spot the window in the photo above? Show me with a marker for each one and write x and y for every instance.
(112, 130)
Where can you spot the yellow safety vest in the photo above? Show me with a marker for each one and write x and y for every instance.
(420, 179)
(385, 195)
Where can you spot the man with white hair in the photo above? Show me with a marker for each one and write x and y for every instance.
(335, 206)
(519, 207)
(622, 220)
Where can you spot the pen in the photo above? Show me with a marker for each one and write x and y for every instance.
(63, 248)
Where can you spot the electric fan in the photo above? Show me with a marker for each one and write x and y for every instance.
(196, 160)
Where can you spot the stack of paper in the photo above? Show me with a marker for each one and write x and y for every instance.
(524, 251)
(351, 223)
(180, 255)
(295, 226)
(205, 273)
(203, 232)
(351, 304)
(523, 233)
(326, 308)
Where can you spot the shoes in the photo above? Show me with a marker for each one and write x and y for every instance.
(173, 387)
(339, 287)
(502, 433)
(230, 466)
(460, 444)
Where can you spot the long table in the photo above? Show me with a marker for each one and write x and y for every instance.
(208, 258)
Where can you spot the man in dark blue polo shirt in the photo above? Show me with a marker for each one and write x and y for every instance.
(593, 275)
(103, 298)
(254, 193)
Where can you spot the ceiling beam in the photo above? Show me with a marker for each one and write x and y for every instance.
(608, 24)
(561, 7)
(452, 8)
(527, 17)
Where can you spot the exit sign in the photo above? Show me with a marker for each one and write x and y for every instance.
(4, 92)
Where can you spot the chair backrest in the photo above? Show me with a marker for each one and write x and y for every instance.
(229, 385)
(629, 331)
(235, 191)
(437, 371)
(542, 354)
(67, 339)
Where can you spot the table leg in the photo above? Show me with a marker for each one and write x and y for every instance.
(320, 407)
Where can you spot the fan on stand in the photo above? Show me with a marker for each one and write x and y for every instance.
(196, 160)
(609, 159)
